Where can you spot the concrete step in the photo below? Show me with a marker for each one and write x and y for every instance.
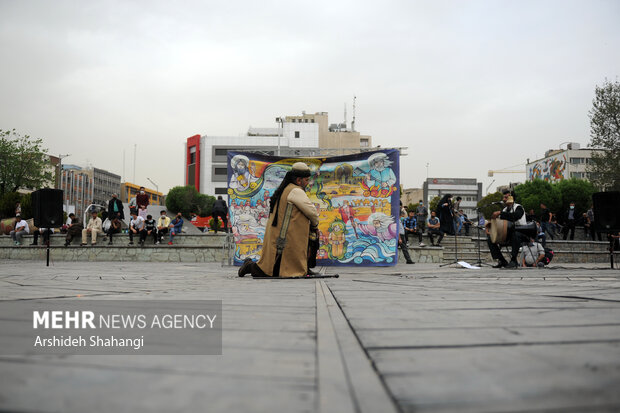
(159, 253)
(206, 240)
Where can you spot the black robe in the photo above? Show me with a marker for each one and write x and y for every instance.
(446, 219)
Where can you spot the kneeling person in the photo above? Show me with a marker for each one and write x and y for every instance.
(291, 218)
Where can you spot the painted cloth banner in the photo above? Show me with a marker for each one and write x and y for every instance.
(357, 197)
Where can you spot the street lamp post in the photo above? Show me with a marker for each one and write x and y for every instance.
(156, 187)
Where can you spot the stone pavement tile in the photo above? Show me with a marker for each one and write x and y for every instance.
(269, 344)
(575, 378)
(488, 341)
(439, 339)
(67, 388)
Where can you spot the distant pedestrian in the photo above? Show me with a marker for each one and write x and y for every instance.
(142, 201)
(115, 207)
(545, 220)
(402, 237)
(422, 215)
(220, 209)
(570, 219)
(445, 213)
(591, 218)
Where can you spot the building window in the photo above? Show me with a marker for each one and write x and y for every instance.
(192, 155)
(221, 191)
(297, 134)
(577, 161)
(221, 171)
(364, 143)
(221, 152)
(305, 120)
(311, 120)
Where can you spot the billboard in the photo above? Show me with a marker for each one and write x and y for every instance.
(357, 197)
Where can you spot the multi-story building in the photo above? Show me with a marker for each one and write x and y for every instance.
(206, 157)
(77, 184)
(104, 185)
(129, 190)
(411, 196)
(559, 164)
(470, 190)
(85, 186)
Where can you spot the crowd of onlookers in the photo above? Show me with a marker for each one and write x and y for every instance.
(105, 223)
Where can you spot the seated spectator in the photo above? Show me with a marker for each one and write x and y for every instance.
(21, 229)
(412, 229)
(66, 225)
(175, 226)
(115, 227)
(434, 226)
(162, 225)
(93, 228)
(150, 227)
(75, 228)
(46, 232)
(466, 221)
(532, 254)
(136, 227)
(133, 206)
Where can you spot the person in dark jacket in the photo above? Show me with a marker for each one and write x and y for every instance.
(570, 219)
(220, 210)
(115, 207)
(444, 212)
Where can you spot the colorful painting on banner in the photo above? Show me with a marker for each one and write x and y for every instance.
(356, 196)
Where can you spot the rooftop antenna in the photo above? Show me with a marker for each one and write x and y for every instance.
(353, 121)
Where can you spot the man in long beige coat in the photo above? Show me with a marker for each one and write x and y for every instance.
(293, 260)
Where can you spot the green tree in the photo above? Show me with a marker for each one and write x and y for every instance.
(530, 194)
(413, 207)
(23, 162)
(577, 191)
(604, 116)
(8, 201)
(485, 203)
(433, 204)
(186, 199)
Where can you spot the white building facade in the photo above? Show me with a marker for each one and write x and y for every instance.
(206, 157)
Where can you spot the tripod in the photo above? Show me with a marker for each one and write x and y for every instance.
(456, 251)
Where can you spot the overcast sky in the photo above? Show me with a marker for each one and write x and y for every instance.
(467, 86)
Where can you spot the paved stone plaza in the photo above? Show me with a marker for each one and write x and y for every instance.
(410, 338)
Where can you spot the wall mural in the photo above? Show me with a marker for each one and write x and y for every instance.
(549, 169)
(356, 197)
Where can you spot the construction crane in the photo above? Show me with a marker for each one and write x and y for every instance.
(503, 171)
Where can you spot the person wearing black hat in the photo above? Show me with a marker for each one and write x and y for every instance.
(292, 217)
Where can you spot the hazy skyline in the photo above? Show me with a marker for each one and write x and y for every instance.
(466, 86)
